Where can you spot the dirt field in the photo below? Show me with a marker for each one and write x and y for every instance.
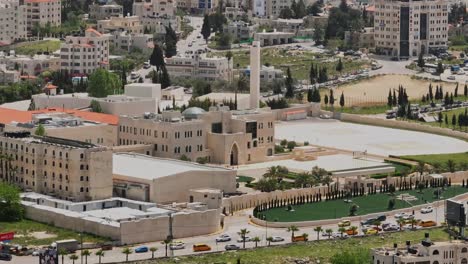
(375, 90)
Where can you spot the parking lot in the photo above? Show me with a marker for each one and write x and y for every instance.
(375, 140)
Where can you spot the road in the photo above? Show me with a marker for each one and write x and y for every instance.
(232, 225)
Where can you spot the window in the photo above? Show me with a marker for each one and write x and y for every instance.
(435, 252)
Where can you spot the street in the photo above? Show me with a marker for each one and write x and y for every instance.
(233, 224)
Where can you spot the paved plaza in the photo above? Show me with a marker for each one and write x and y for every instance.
(375, 140)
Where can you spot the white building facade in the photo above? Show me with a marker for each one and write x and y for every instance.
(12, 21)
(42, 12)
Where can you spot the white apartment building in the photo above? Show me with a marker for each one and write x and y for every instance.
(273, 7)
(31, 66)
(198, 66)
(407, 28)
(240, 29)
(83, 55)
(130, 24)
(42, 12)
(7, 76)
(126, 33)
(267, 74)
(99, 12)
(12, 21)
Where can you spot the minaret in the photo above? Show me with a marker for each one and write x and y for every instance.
(255, 75)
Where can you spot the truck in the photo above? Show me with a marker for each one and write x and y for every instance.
(70, 245)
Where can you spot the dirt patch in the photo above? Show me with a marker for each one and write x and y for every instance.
(42, 235)
(375, 90)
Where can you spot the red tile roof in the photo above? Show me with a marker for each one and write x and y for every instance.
(94, 31)
(9, 115)
(50, 86)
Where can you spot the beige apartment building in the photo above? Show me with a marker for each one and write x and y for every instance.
(199, 66)
(156, 14)
(221, 136)
(82, 55)
(31, 65)
(426, 252)
(12, 21)
(408, 28)
(130, 24)
(99, 12)
(41, 12)
(126, 33)
(66, 169)
(7, 76)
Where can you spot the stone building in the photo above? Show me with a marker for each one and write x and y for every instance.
(106, 11)
(62, 168)
(43, 12)
(198, 66)
(12, 21)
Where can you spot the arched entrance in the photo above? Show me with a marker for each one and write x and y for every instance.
(234, 155)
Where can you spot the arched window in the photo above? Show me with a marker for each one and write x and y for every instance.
(464, 250)
(435, 262)
(464, 261)
(435, 252)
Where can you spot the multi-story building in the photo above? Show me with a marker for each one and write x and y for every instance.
(126, 33)
(360, 39)
(425, 252)
(197, 66)
(273, 7)
(82, 55)
(30, 65)
(407, 28)
(66, 169)
(130, 24)
(156, 15)
(106, 11)
(274, 38)
(201, 6)
(43, 12)
(221, 136)
(12, 21)
(7, 76)
(240, 30)
(234, 13)
(267, 74)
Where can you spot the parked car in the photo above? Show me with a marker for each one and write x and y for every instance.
(428, 223)
(223, 238)
(247, 239)
(344, 223)
(5, 256)
(141, 249)
(299, 238)
(451, 77)
(391, 228)
(232, 247)
(277, 239)
(201, 247)
(106, 247)
(401, 215)
(371, 231)
(350, 232)
(427, 210)
(176, 245)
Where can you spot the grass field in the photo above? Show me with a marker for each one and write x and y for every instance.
(24, 229)
(321, 250)
(441, 159)
(241, 178)
(367, 204)
(298, 61)
(31, 48)
(449, 115)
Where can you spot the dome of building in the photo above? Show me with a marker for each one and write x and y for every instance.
(193, 112)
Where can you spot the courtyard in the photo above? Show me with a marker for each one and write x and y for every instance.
(367, 205)
(375, 140)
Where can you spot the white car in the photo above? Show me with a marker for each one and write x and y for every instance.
(247, 239)
(339, 235)
(277, 239)
(451, 77)
(177, 245)
(427, 210)
(35, 253)
(401, 215)
(223, 238)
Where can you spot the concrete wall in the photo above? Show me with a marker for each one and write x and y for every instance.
(400, 124)
(312, 109)
(76, 102)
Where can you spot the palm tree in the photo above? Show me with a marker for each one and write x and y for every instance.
(413, 222)
(229, 56)
(292, 229)
(451, 165)
(353, 229)
(318, 229)
(377, 224)
(100, 253)
(127, 251)
(86, 253)
(256, 240)
(243, 234)
(153, 249)
(401, 222)
(63, 252)
(329, 232)
(341, 230)
(73, 258)
(305, 236)
(269, 239)
(166, 243)
(421, 168)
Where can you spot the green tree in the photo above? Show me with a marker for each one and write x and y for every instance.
(127, 251)
(451, 165)
(342, 100)
(165, 79)
(353, 209)
(153, 249)
(329, 232)
(454, 121)
(40, 131)
(339, 66)
(421, 62)
(166, 242)
(332, 98)
(440, 68)
(103, 83)
(73, 258)
(243, 234)
(342, 230)
(223, 40)
(318, 229)
(286, 13)
(269, 239)
(256, 240)
(157, 57)
(206, 28)
(289, 84)
(95, 106)
(358, 256)
(171, 42)
(292, 229)
(100, 254)
(86, 253)
(63, 252)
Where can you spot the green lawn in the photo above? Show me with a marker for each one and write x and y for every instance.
(338, 208)
(299, 62)
(24, 228)
(364, 110)
(241, 178)
(449, 115)
(322, 250)
(31, 48)
(441, 159)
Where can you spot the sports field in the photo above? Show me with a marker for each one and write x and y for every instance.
(367, 205)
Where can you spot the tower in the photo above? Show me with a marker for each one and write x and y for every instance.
(255, 75)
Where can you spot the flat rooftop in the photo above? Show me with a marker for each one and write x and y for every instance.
(373, 139)
(150, 168)
(125, 213)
